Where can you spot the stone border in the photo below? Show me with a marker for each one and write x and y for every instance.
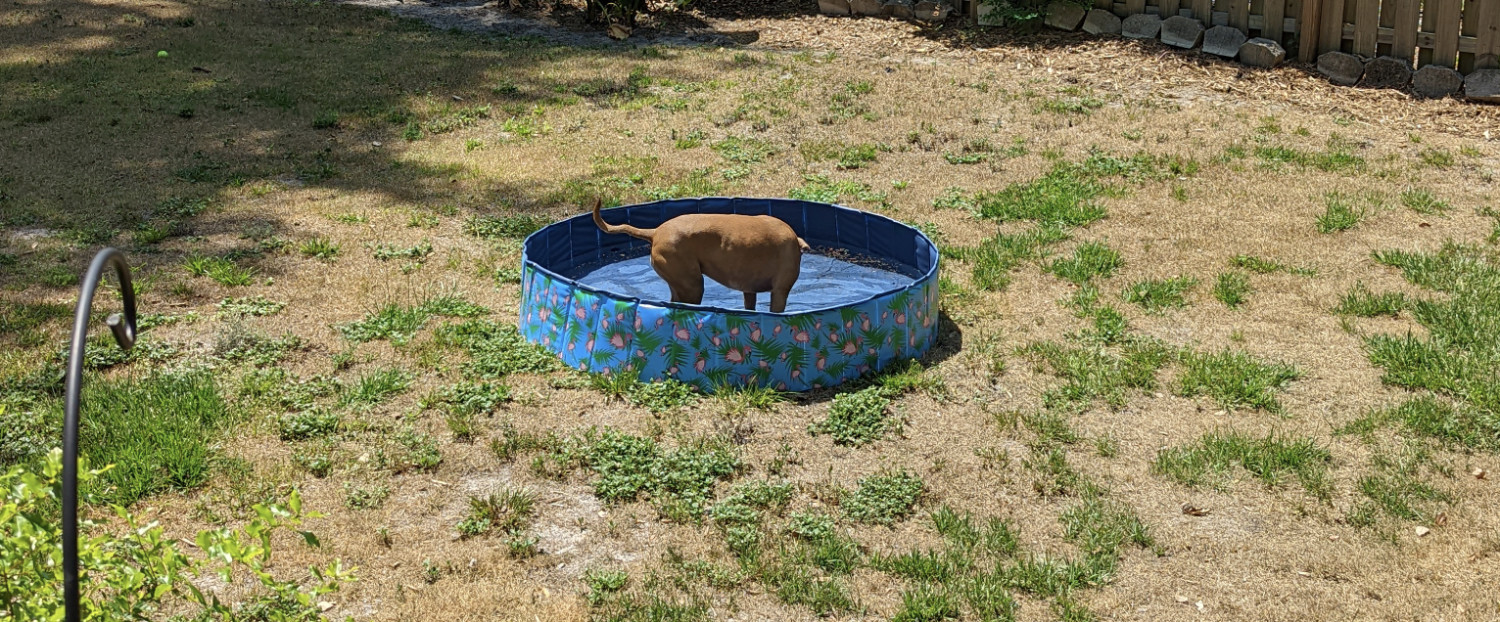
(1186, 32)
(924, 10)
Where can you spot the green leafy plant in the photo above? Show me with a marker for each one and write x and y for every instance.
(857, 418)
(884, 498)
(255, 306)
(137, 572)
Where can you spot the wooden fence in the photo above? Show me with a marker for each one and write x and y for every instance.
(1461, 34)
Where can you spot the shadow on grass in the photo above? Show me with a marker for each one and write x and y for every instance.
(124, 122)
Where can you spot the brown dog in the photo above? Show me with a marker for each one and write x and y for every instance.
(750, 254)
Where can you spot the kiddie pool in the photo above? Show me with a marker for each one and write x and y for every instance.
(867, 297)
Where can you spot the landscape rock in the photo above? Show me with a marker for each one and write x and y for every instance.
(1182, 32)
(903, 9)
(1386, 72)
(1340, 68)
(1065, 15)
(1101, 22)
(834, 7)
(929, 11)
(1223, 41)
(867, 7)
(1141, 26)
(1483, 85)
(1436, 82)
(1261, 52)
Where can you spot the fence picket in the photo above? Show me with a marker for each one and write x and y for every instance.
(1331, 38)
(1309, 31)
(1203, 10)
(1239, 14)
(1366, 20)
(1404, 22)
(1486, 31)
(1445, 16)
(1275, 20)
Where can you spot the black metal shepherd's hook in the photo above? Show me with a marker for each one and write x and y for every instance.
(124, 330)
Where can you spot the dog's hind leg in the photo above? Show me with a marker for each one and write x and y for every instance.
(692, 291)
(778, 299)
(749, 301)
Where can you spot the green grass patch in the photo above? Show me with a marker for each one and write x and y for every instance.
(657, 396)
(496, 350)
(883, 499)
(847, 156)
(1232, 289)
(416, 252)
(1340, 213)
(994, 259)
(320, 248)
(744, 150)
(927, 604)
(954, 197)
(378, 386)
(241, 345)
(1261, 265)
(398, 323)
(1458, 356)
(254, 306)
(156, 430)
(1424, 202)
(1398, 489)
(1089, 260)
(822, 189)
(1337, 158)
(515, 226)
(509, 512)
(1361, 302)
(1092, 371)
(1429, 417)
(1158, 295)
(221, 270)
(857, 418)
(1272, 460)
(1235, 379)
(679, 480)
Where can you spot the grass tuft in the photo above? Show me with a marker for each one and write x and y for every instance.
(1235, 379)
(1231, 288)
(1271, 460)
(1361, 302)
(1089, 260)
(1157, 296)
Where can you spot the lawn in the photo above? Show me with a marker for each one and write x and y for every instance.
(1218, 345)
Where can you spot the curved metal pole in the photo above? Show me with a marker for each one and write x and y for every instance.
(124, 331)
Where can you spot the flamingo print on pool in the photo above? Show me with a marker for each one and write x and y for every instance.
(797, 352)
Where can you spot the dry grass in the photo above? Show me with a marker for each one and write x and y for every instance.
(274, 132)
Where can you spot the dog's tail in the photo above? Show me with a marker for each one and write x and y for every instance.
(803, 243)
(644, 234)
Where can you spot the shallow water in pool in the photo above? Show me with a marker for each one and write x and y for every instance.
(825, 282)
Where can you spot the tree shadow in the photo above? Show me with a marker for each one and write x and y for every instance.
(122, 122)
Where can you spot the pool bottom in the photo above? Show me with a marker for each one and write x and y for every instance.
(824, 282)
